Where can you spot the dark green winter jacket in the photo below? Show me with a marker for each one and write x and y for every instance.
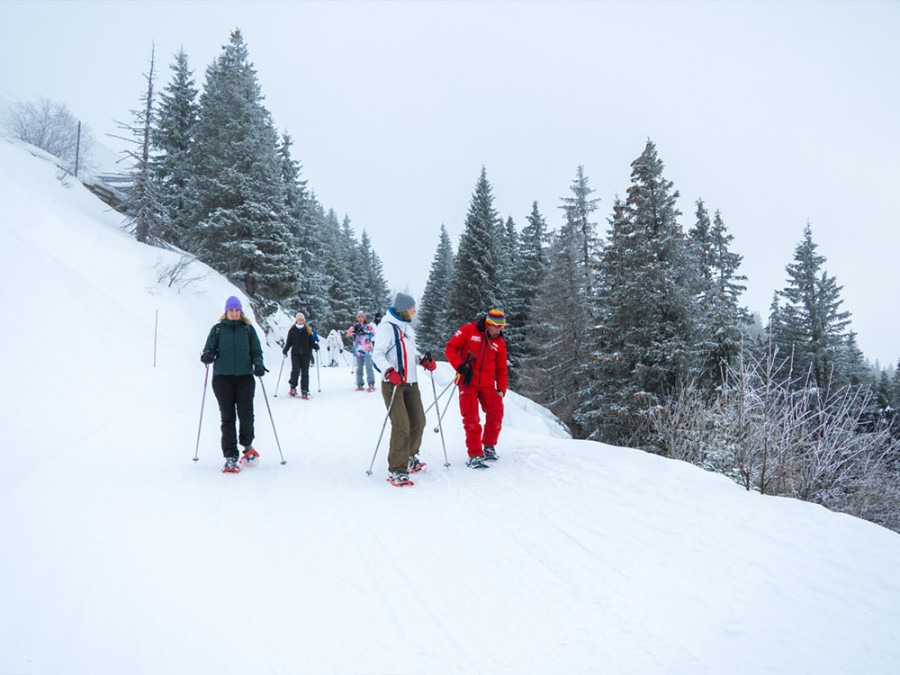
(236, 347)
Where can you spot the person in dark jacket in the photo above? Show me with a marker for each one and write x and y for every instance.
(478, 353)
(301, 341)
(236, 354)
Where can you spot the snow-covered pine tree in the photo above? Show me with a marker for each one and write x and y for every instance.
(434, 326)
(559, 338)
(339, 275)
(722, 320)
(475, 287)
(375, 292)
(810, 325)
(647, 308)
(241, 222)
(895, 401)
(172, 135)
(312, 296)
(145, 213)
(552, 370)
(533, 259)
(512, 302)
(578, 210)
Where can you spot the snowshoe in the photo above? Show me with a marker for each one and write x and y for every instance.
(250, 456)
(305, 395)
(371, 387)
(292, 392)
(477, 462)
(360, 389)
(416, 465)
(490, 453)
(399, 479)
(231, 466)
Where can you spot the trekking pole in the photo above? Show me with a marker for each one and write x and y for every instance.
(280, 370)
(441, 416)
(443, 444)
(202, 403)
(283, 460)
(318, 374)
(386, 417)
(439, 396)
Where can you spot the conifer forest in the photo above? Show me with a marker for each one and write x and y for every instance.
(625, 320)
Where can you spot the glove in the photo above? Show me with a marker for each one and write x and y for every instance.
(285, 352)
(393, 377)
(207, 357)
(428, 362)
(465, 373)
(259, 370)
(315, 346)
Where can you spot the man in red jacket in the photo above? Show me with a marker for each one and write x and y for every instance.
(478, 353)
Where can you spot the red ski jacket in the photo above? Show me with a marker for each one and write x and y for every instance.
(490, 356)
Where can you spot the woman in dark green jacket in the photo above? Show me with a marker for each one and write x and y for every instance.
(236, 354)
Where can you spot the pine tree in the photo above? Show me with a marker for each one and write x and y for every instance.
(476, 287)
(240, 206)
(172, 135)
(552, 369)
(512, 302)
(375, 293)
(558, 336)
(722, 320)
(578, 210)
(810, 325)
(645, 341)
(143, 207)
(435, 327)
(533, 260)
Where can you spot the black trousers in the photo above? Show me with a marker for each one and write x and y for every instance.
(300, 365)
(235, 396)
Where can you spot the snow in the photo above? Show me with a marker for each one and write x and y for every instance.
(122, 555)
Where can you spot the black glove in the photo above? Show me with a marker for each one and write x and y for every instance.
(259, 370)
(465, 373)
(315, 346)
(285, 352)
(207, 357)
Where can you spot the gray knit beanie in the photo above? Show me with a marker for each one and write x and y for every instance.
(403, 302)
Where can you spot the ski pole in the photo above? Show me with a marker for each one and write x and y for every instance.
(283, 460)
(439, 396)
(280, 370)
(386, 417)
(441, 416)
(443, 444)
(202, 403)
(318, 374)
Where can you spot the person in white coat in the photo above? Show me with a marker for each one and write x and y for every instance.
(335, 346)
(394, 354)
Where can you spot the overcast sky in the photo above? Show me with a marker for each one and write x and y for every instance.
(775, 113)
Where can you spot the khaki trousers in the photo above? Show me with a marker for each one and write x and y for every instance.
(407, 424)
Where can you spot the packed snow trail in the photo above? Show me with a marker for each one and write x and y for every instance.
(122, 555)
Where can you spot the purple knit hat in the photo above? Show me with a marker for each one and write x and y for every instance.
(233, 303)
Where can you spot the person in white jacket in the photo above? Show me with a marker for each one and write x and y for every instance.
(335, 346)
(394, 354)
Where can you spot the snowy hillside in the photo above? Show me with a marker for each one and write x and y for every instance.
(122, 555)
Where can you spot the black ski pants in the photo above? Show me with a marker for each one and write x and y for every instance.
(235, 396)
(300, 366)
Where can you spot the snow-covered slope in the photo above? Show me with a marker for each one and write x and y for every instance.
(121, 555)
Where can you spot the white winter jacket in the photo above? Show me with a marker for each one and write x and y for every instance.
(389, 352)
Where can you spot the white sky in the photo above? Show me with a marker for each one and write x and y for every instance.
(775, 113)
